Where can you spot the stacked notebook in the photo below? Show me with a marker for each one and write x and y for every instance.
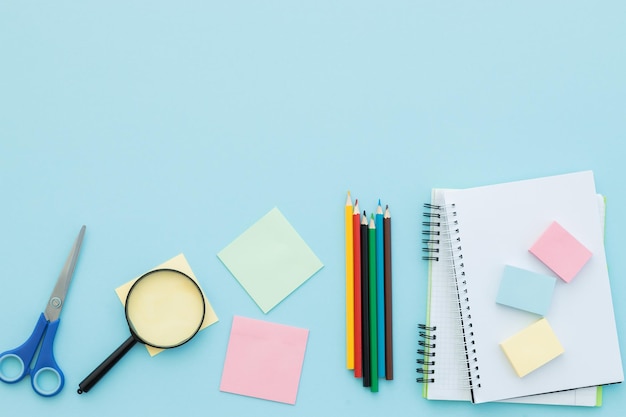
(510, 318)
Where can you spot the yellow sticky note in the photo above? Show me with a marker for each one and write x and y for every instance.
(178, 263)
(532, 347)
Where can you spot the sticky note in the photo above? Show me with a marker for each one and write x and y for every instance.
(532, 347)
(561, 252)
(264, 360)
(178, 263)
(270, 260)
(526, 290)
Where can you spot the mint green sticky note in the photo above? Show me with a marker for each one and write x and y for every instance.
(270, 260)
(526, 290)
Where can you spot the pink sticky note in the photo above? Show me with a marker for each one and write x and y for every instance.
(264, 360)
(561, 252)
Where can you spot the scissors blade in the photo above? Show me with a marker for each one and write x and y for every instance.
(57, 298)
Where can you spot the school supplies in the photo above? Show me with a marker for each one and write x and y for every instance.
(387, 273)
(471, 236)
(264, 360)
(270, 260)
(349, 241)
(46, 377)
(371, 300)
(165, 308)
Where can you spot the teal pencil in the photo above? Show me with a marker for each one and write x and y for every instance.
(380, 290)
(373, 309)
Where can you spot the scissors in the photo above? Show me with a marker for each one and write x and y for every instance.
(46, 376)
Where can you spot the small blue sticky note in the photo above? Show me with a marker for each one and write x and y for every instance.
(526, 290)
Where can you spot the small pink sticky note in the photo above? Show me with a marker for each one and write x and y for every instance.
(264, 360)
(561, 252)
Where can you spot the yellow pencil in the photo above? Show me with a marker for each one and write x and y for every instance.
(349, 285)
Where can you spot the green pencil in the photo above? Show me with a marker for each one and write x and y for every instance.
(373, 310)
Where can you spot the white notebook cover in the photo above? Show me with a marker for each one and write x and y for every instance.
(450, 380)
(498, 224)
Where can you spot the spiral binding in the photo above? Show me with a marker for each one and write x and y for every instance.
(441, 238)
(426, 351)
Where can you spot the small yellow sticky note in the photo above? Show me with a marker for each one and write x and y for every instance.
(532, 347)
(178, 263)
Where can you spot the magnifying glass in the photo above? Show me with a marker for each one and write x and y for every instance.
(164, 309)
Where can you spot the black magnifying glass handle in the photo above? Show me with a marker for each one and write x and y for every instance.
(105, 366)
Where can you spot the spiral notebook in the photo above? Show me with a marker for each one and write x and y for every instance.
(465, 361)
(442, 335)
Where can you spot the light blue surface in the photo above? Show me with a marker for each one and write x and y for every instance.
(171, 127)
(526, 290)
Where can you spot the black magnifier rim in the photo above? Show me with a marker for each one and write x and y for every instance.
(146, 275)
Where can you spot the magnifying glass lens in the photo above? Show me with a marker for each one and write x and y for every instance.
(165, 309)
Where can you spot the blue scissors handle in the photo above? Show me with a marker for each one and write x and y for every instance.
(45, 367)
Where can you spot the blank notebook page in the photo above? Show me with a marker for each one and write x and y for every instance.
(498, 224)
(450, 377)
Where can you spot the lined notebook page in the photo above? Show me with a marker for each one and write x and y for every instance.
(498, 224)
(450, 378)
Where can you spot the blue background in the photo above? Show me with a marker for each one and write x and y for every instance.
(171, 127)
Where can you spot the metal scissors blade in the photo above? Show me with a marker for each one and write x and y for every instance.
(57, 298)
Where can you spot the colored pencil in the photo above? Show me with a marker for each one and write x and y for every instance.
(365, 304)
(388, 291)
(380, 290)
(356, 231)
(349, 284)
(372, 307)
